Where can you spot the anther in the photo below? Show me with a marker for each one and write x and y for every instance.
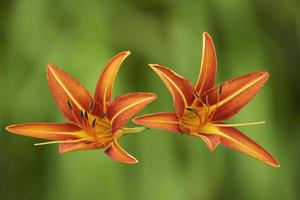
(81, 115)
(196, 95)
(220, 89)
(218, 101)
(192, 110)
(102, 116)
(70, 107)
(91, 107)
(94, 123)
(86, 117)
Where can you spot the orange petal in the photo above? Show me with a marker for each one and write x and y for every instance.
(211, 141)
(180, 88)
(234, 139)
(79, 146)
(117, 153)
(164, 120)
(103, 91)
(65, 88)
(51, 131)
(207, 75)
(126, 106)
(236, 94)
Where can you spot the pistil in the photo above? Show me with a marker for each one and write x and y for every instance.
(240, 124)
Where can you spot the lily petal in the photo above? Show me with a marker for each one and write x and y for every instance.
(51, 131)
(65, 88)
(211, 141)
(234, 139)
(236, 93)
(163, 120)
(116, 152)
(180, 88)
(207, 75)
(103, 91)
(79, 146)
(126, 106)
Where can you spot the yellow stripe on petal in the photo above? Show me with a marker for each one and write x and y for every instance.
(164, 120)
(234, 139)
(66, 89)
(126, 106)
(80, 146)
(51, 131)
(235, 94)
(116, 152)
(180, 88)
(103, 91)
(207, 75)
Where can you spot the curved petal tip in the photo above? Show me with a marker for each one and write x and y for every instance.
(127, 52)
(117, 153)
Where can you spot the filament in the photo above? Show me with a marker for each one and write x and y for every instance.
(240, 124)
(62, 141)
(218, 101)
(91, 106)
(70, 107)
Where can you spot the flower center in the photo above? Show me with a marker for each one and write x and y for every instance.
(98, 128)
(199, 113)
(194, 118)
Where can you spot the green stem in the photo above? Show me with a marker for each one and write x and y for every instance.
(133, 130)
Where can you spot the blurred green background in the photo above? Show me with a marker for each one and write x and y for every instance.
(81, 36)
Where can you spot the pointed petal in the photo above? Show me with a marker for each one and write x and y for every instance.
(79, 146)
(207, 75)
(65, 88)
(180, 88)
(117, 153)
(211, 141)
(103, 91)
(234, 139)
(51, 131)
(126, 106)
(164, 120)
(236, 94)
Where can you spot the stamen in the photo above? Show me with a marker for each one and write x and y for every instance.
(86, 115)
(241, 124)
(88, 125)
(91, 107)
(134, 130)
(63, 141)
(83, 121)
(220, 89)
(102, 116)
(94, 123)
(81, 115)
(196, 95)
(201, 100)
(218, 101)
(192, 110)
(207, 105)
(70, 107)
(93, 127)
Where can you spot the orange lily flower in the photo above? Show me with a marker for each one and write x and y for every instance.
(202, 109)
(94, 123)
